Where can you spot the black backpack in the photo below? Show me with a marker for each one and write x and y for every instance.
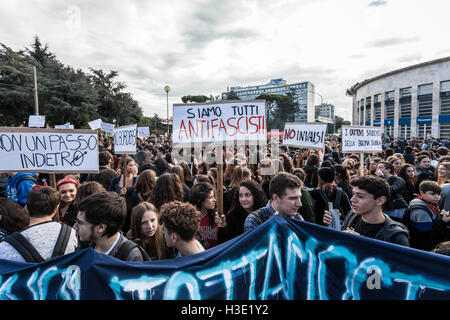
(29, 252)
(126, 247)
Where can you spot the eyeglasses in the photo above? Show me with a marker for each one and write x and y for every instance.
(80, 222)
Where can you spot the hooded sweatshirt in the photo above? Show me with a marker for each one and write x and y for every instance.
(426, 228)
(17, 190)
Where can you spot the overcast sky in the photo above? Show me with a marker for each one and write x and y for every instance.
(203, 46)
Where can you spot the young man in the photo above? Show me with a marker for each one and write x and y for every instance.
(100, 220)
(286, 193)
(180, 222)
(427, 226)
(42, 233)
(367, 219)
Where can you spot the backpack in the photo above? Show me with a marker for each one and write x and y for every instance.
(29, 252)
(337, 200)
(125, 249)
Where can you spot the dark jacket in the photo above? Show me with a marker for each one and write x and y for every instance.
(396, 200)
(392, 231)
(307, 208)
(422, 175)
(321, 203)
(235, 223)
(312, 176)
(425, 228)
(410, 158)
(114, 185)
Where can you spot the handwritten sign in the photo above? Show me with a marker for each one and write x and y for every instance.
(219, 121)
(305, 135)
(48, 150)
(107, 127)
(95, 124)
(125, 139)
(143, 132)
(361, 139)
(36, 121)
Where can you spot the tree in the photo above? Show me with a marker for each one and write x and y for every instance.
(65, 94)
(280, 108)
(232, 96)
(196, 99)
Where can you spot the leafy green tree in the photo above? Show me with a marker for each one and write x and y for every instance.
(280, 109)
(64, 94)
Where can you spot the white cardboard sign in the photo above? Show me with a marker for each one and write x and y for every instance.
(36, 121)
(125, 139)
(107, 127)
(361, 139)
(305, 135)
(143, 132)
(48, 150)
(95, 124)
(219, 122)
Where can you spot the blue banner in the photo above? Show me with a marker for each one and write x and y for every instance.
(282, 259)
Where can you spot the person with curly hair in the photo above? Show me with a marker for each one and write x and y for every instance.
(180, 222)
(168, 188)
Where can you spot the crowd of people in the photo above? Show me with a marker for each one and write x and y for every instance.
(150, 206)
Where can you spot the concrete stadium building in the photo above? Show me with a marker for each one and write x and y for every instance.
(409, 102)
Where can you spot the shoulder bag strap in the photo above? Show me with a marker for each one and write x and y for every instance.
(24, 247)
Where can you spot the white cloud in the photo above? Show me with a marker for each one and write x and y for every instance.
(203, 46)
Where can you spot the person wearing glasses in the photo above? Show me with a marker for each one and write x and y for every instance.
(100, 220)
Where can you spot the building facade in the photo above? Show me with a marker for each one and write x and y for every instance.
(303, 93)
(325, 112)
(409, 102)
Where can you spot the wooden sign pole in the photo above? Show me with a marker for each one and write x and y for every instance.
(219, 185)
(361, 165)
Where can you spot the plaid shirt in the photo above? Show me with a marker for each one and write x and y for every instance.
(258, 217)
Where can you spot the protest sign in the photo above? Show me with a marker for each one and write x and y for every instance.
(305, 135)
(48, 150)
(64, 126)
(125, 139)
(107, 127)
(282, 259)
(36, 121)
(95, 124)
(143, 132)
(219, 122)
(361, 139)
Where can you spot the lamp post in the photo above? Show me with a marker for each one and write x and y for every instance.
(167, 89)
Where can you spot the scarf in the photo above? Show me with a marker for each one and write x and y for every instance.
(433, 207)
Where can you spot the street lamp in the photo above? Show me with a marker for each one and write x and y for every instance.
(167, 89)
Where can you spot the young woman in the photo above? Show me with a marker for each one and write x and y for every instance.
(408, 173)
(146, 231)
(68, 209)
(342, 179)
(287, 163)
(250, 197)
(177, 169)
(130, 177)
(396, 163)
(311, 169)
(203, 198)
(443, 173)
(187, 174)
(239, 174)
(168, 188)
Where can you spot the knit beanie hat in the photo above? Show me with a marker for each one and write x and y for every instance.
(326, 174)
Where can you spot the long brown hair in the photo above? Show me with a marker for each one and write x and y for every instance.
(153, 245)
(168, 188)
(145, 182)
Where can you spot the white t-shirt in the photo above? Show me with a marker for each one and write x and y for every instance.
(199, 246)
(43, 237)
